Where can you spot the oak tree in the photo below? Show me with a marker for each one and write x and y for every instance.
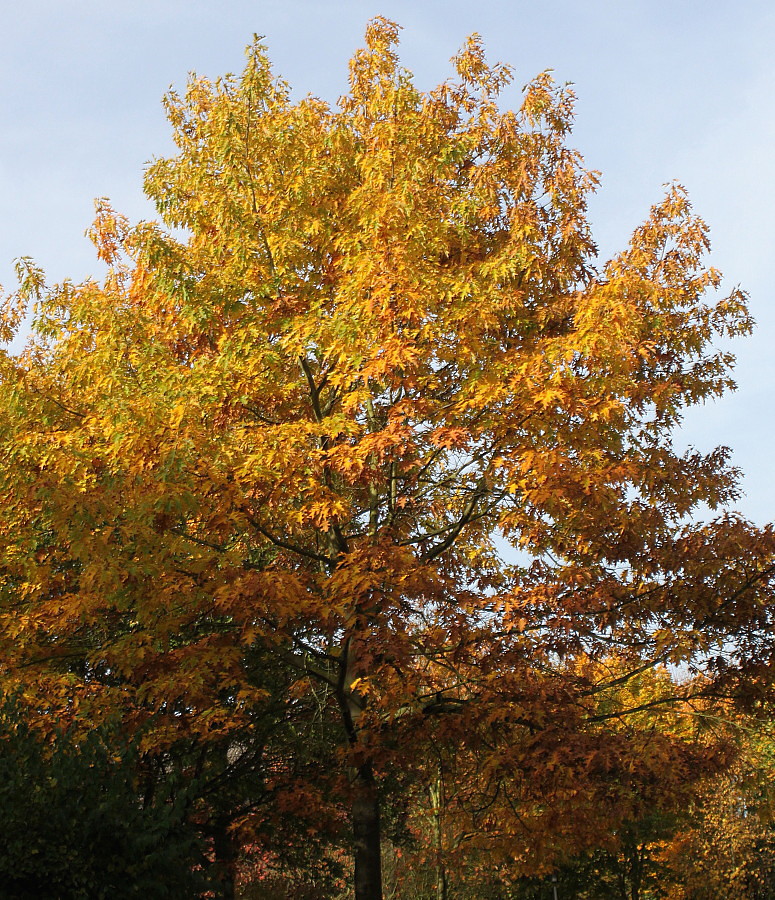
(369, 347)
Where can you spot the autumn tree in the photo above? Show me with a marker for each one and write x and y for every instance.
(724, 846)
(367, 347)
(598, 794)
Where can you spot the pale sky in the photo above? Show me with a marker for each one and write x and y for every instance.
(668, 90)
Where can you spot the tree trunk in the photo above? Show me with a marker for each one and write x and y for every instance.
(225, 859)
(436, 792)
(366, 835)
(637, 870)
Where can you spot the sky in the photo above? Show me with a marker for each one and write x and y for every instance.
(668, 90)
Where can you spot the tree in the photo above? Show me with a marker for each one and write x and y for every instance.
(367, 345)
(725, 846)
(72, 825)
(605, 798)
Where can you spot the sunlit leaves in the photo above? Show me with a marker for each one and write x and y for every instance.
(367, 359)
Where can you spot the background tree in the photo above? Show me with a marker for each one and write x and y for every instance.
(72, 824)
(371, 344)
(725, 845)
(595, 805)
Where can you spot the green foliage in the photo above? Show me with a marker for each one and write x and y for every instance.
(72, 825)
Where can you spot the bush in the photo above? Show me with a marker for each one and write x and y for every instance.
(72, 825)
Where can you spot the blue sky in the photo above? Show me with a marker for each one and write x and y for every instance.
(681, 90)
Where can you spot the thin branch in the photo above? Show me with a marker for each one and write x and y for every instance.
(314, 390)
(287, 545)
(464, 519)
(195, 540)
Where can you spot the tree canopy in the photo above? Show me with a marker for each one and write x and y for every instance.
(363, 434)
